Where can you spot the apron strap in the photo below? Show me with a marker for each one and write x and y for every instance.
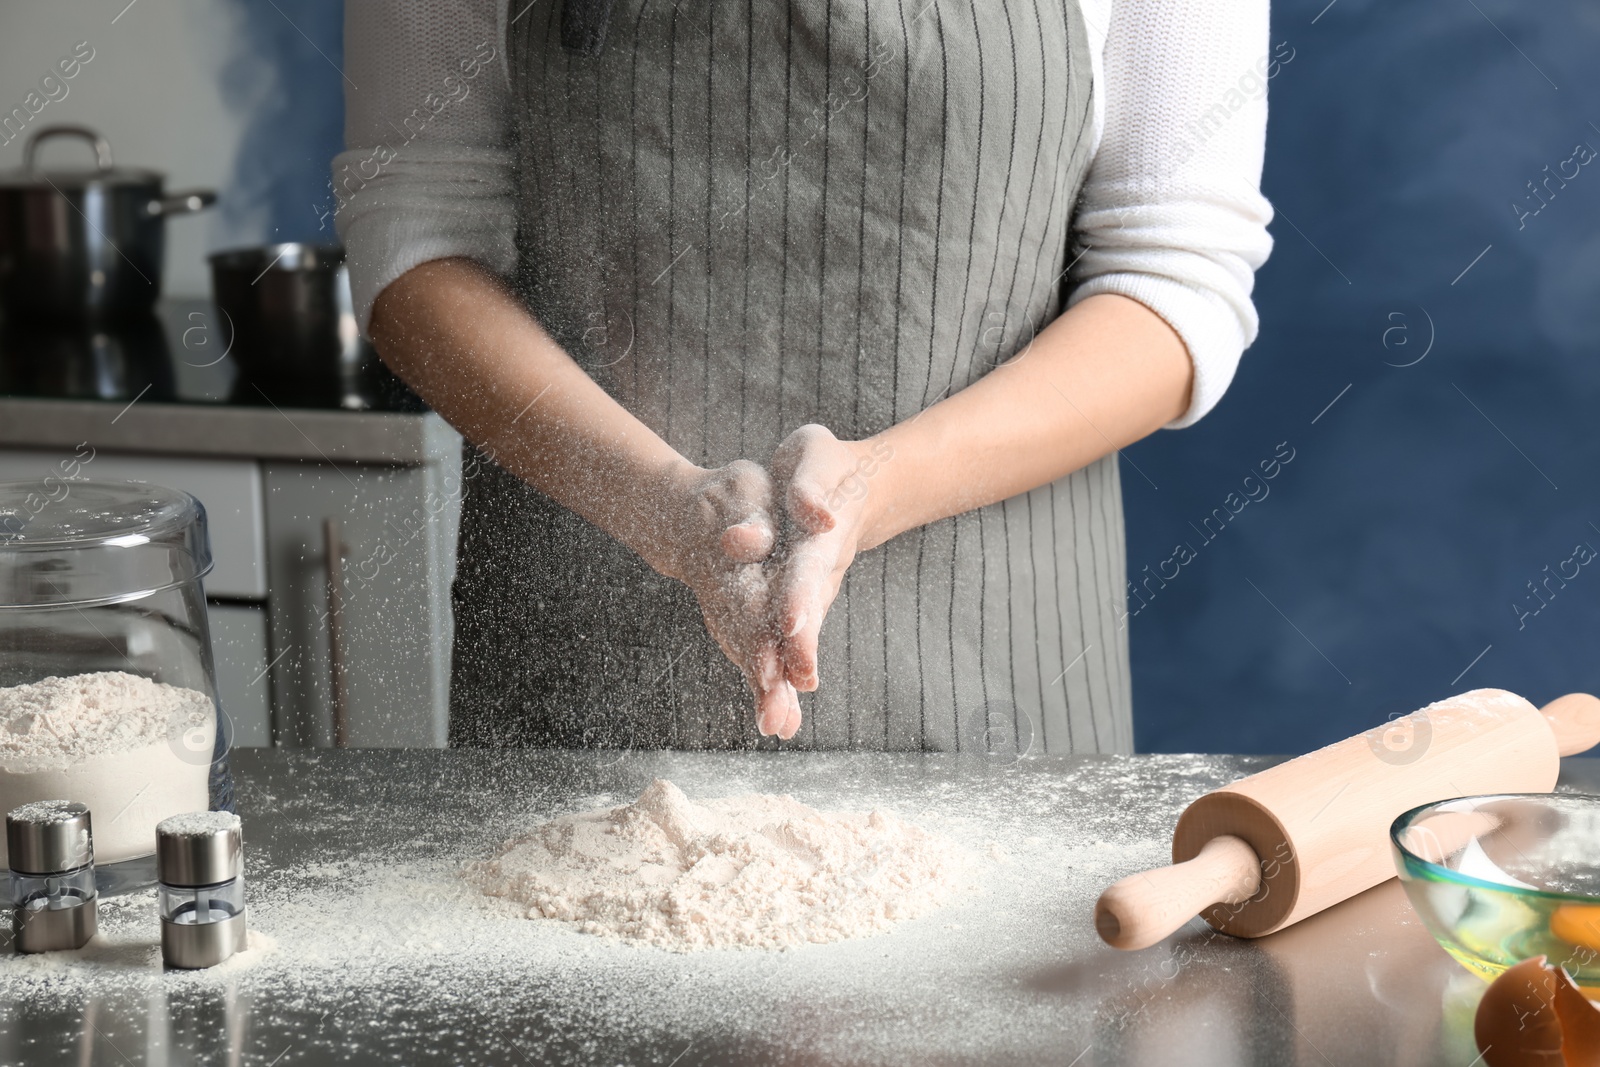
(583, 26)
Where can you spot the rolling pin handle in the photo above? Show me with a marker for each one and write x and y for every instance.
(1575, 718)
(1143, 908)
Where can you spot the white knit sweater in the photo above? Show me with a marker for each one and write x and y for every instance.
(1172, 214)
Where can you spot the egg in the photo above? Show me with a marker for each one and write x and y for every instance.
(1577, 924)
(1534, 1016)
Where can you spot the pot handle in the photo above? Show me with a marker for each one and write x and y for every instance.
(102, 147)
(185, 203)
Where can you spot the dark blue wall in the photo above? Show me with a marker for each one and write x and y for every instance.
(1398, 544)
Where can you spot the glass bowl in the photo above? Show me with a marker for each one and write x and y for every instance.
(1498, 879)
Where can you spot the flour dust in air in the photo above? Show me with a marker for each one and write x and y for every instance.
(752, 871)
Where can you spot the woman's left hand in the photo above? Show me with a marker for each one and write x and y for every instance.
(828, 495)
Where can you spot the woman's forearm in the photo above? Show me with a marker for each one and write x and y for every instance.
(452, 332)
(1103, 375)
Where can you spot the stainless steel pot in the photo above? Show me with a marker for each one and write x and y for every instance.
(291, 327)
(84, 242)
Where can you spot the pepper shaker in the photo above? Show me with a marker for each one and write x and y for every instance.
(200, 867)
(51, 854)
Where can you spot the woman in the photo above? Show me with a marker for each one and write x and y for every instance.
(809, 331)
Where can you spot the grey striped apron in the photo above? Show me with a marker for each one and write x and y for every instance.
(744, 217)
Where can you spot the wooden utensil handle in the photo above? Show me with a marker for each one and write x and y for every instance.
(1146, 907)
(1575, 720)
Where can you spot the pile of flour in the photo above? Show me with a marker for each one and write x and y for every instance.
(134, 750)
(752, 871)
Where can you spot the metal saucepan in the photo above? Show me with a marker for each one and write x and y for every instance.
(84, 242)
(290, 324)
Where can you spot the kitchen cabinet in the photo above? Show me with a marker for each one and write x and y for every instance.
(280, 487)
(239, 643)
(386, 538)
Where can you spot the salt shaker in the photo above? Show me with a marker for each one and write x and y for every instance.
(51, 850)
(200, 867)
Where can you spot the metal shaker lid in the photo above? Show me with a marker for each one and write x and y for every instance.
(48, 837)
(201, 848)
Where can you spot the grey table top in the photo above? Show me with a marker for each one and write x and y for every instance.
(380, 954)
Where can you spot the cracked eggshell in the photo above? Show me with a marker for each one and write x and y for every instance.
(1534, 1016)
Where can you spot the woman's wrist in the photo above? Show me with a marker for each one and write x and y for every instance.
(873, 486)
(653, 520)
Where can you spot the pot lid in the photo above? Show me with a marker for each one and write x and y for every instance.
(103, 172)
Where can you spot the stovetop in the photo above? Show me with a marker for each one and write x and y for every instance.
(175, 354)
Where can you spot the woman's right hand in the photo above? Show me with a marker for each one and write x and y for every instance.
(456, 334)
(715, 534)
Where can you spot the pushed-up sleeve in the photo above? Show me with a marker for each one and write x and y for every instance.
(1172, 213)
(426, 173)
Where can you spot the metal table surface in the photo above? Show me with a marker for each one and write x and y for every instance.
(380, 954)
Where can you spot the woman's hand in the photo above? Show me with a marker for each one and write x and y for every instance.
(1104, 374)
(458, 336)
(828, 493)
(716, 533)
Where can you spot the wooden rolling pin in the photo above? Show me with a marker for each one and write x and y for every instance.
(1273, 848)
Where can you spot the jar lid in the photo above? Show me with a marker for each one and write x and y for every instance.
(75, 543)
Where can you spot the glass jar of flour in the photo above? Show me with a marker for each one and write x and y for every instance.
(107, 689)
